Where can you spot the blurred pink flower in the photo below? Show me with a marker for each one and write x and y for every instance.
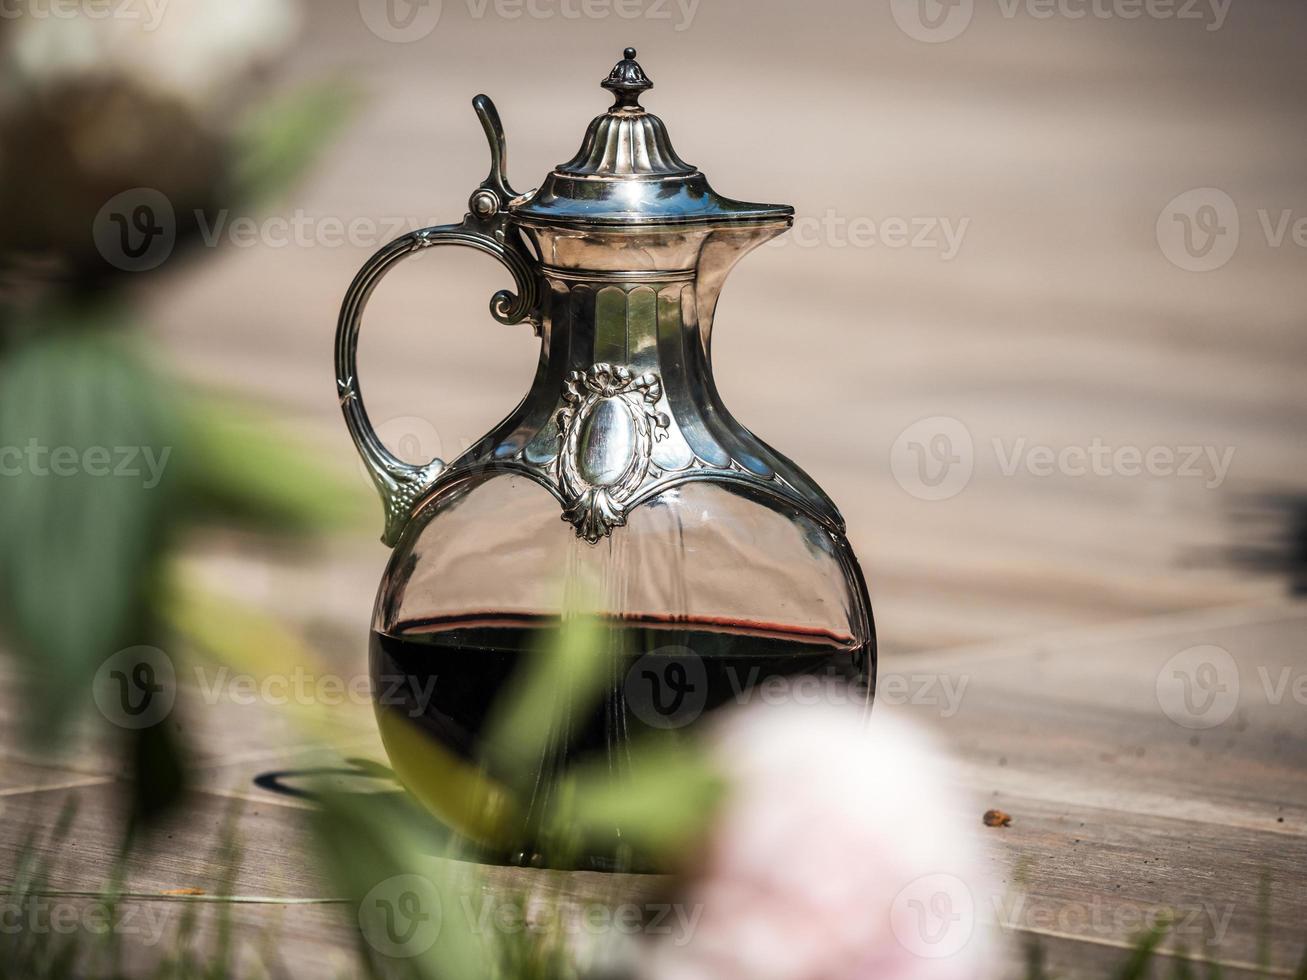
(840, 854)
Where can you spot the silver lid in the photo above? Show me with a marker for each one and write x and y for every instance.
(627, 173)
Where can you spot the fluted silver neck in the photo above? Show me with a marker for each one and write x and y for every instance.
(626, 143)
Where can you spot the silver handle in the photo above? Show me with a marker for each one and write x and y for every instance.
(485, 228)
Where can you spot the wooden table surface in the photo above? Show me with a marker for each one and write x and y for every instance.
(1121, 810)
(1058, 601)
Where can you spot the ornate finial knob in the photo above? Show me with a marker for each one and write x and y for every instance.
(627, 80)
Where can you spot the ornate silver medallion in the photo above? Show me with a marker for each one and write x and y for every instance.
(607, 428)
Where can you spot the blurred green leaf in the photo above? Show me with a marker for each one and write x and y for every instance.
(1137, 963)
(85, 438)
(158, 777)
(665, 804)
(1182, 967)
(370, 843)
(235, 465)
(260, 645)
(282, 138)
(664, 795)
(30, 953)
(236, 635)
(1032, 950)
(462, 795)
(561, 681)
(1264, 922)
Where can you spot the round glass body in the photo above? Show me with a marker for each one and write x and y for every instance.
(711, 595)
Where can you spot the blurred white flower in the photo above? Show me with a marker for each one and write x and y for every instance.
(190, 50)
(841, 854)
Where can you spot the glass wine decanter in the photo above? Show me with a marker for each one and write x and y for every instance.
(712, 563)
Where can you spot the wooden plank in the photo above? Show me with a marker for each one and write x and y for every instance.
(278, 860)
(1121, 813)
